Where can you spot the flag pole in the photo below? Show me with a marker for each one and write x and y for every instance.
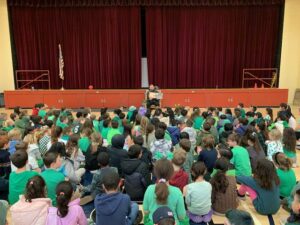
(61, 67)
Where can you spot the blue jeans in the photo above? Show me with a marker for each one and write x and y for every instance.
(133, 213)
(88, 208)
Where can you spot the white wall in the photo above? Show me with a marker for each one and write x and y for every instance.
(6, 65)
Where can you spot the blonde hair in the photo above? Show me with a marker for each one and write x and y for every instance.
(96, 140)
(144, 124)
(30, 138)
(275, 135)
(14, 134)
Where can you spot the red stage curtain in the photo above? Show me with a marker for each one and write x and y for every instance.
(94, 3)
(208, 47)
(101, 46)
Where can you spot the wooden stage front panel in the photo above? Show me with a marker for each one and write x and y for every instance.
(123, 97)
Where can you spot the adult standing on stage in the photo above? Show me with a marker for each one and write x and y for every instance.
(151, 96)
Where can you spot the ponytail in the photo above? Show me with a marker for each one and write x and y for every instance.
(64, 192)
(282, 161)
(163, 170)
(35, 188)
(161, 192)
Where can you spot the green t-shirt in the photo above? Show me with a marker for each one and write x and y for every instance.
(96, 125)
(51, 118)
(42, 113)
(241, 161)
(112, 132)
(175, 202)
(17, 184)
(243, 113)
(198, 121)
(101, 125)
(117, 118)
(65, 137)
(52, 179)
(289, 154)
(104, 132)
(250, 119)
(7, 129)
(287, 181)
(60, 124)
(84, 143)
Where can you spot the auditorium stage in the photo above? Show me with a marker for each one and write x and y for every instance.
(113, 98)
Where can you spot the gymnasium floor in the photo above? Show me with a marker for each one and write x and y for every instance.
(244, 204)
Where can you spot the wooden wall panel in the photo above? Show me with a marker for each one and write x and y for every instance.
(172, 97)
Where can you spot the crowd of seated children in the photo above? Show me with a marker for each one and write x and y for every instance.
(49, 160)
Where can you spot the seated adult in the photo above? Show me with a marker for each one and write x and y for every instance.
(151, 96)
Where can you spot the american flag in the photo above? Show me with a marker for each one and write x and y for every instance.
(61, 64)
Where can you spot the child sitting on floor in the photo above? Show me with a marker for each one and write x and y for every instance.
(68, 211)
(160, 147)
(162, 193)
(198, 196)
(52, 177)
(208, 154)
(32, 208)
(114, 206)
(274, 145)
(224, 194)
(180, 178)
(289, 145)
(19, 178)
(240, 159)
(285, 173)
(263, 186)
